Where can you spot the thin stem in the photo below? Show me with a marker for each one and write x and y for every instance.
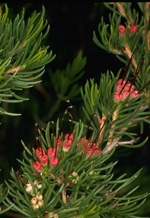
(129, 53)
(127, 67)
(100, 136)
(136, 74)
(64, 198)
(115, 115)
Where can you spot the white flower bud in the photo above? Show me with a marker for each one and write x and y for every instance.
(33, 200)
(35, 182)
(29, 188)
(35, 206)
(39, 186)
(52, 215)
(40, 202)
(74, 174)
(91, 172)
(39, 197)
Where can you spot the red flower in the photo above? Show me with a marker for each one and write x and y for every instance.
(117, 97)
(43, 159)
(128, 86)
(121, 82)
(51, 152)
(133, 29)
(58, 142)
(39, 151)
(97, 151)
(69, 136)
(119, 87)
(134, 94)
(92, 145)
(121, 30)
(85, 143)
(53, 161)
(125, 95)
(90, 151)
(37, 166)
(67, 145)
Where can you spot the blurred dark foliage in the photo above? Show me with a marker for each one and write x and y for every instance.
(72, 26)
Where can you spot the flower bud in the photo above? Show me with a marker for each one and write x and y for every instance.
(117, 97)
(40, 202)
(134, 94)
(92, 145)
(85, 143)
(39, 196)
(121, 30)
(97, 151)
(36, 183)
(133, 29)
(67, 145)
(119, 87)
(74, 174)
(33, 200)
(37, 166)
(128, 87)
(90, 152)
(53, 161)
(69, 136)
(51, 152)
(39, 151)
(52, 215)
(91, 173)
(121, 82)
(35, 206)
(125, 95)
(29, 188)
(43, 159)
(58, 142)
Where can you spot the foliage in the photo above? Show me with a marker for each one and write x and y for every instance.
(71, 174)
(22, 57)
(67, 86)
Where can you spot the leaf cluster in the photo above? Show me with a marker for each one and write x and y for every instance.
(99, 101)
(123, 46)
(65, 82)
(22, 56)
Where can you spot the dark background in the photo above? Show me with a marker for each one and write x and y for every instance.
(72, 26)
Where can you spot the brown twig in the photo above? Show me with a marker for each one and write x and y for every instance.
(147, 12)
(115, 115)
(115, 142)
(16, 69)
(102, 121)
(129, 53)
(64, 195)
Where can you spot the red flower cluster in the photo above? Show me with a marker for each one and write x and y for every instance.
(44, 159)
(68, 142)
(122, 29)
(92, 150)
(50, 159)
(127, 90)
